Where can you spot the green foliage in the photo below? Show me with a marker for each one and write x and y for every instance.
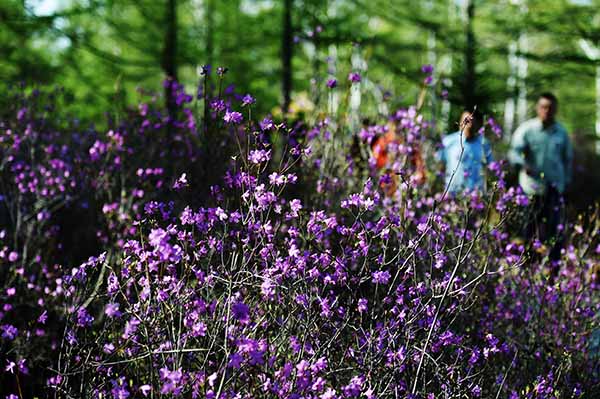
(103, 50)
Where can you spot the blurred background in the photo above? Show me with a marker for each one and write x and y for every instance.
(496, 55)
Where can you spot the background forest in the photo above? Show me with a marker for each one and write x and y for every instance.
(497, 55)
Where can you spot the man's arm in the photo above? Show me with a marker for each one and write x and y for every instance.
(518, 146)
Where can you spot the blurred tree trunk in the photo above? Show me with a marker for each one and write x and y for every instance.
(511, 84)
(470, 82)
(593, 53)
(210, 22)
(432, 59)
(447, 61)
(286, 55)
(169, 60)
(522, 68)
(515, 107)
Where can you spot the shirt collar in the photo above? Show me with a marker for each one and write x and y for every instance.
(549, 129)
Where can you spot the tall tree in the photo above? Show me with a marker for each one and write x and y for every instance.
(470, 78)
(169, 58)
(209, 31)
(287, 48)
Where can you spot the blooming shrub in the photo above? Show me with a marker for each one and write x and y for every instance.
(225, 267)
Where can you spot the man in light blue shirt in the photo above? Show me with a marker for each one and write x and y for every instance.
(541, 148)
(465, 154)
(542, 151)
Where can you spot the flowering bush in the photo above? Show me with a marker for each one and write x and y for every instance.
(223, 266)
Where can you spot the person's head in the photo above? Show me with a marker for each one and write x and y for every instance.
(470, 123)
(546, 107)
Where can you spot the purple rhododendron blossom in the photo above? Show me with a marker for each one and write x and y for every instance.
(248, 100)
(171, 381)
(112, 310)
(233, 117)
(9, 331)
(266, 124)
(259, 156)
(381, 277)
(241, 311)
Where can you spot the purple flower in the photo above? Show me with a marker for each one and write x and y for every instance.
(259, 156)
(21, 113)
(235, 360)
(474, 358)
(10, 366)
(295, 206)
(247, 100)
(43, 317)
(495, 127)
(119, 389)
(112, 310)
(130, 328)
(157, 237)
(22, 366)
(329, 394)
(112, 283)
(9, 331)
(71, 338)
(266, 124)
(181, 182)
(332, 83)
(381, 277)
(241, 312)
(108, 348)
(171, 381)
(84, 319)
(427, 68)
(362, 305)
(218, 105)
(521, 199)
(233, 117)
(13, 256)
(354, 77)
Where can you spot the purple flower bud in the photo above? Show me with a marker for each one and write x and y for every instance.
(427, 68)
(354, 77)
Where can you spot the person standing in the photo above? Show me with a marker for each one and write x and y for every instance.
(542, 151)
(464, 154)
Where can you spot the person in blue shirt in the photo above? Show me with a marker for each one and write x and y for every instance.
(543, 153)
(465, 154)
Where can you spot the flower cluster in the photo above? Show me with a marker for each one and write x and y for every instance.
(233, 268)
